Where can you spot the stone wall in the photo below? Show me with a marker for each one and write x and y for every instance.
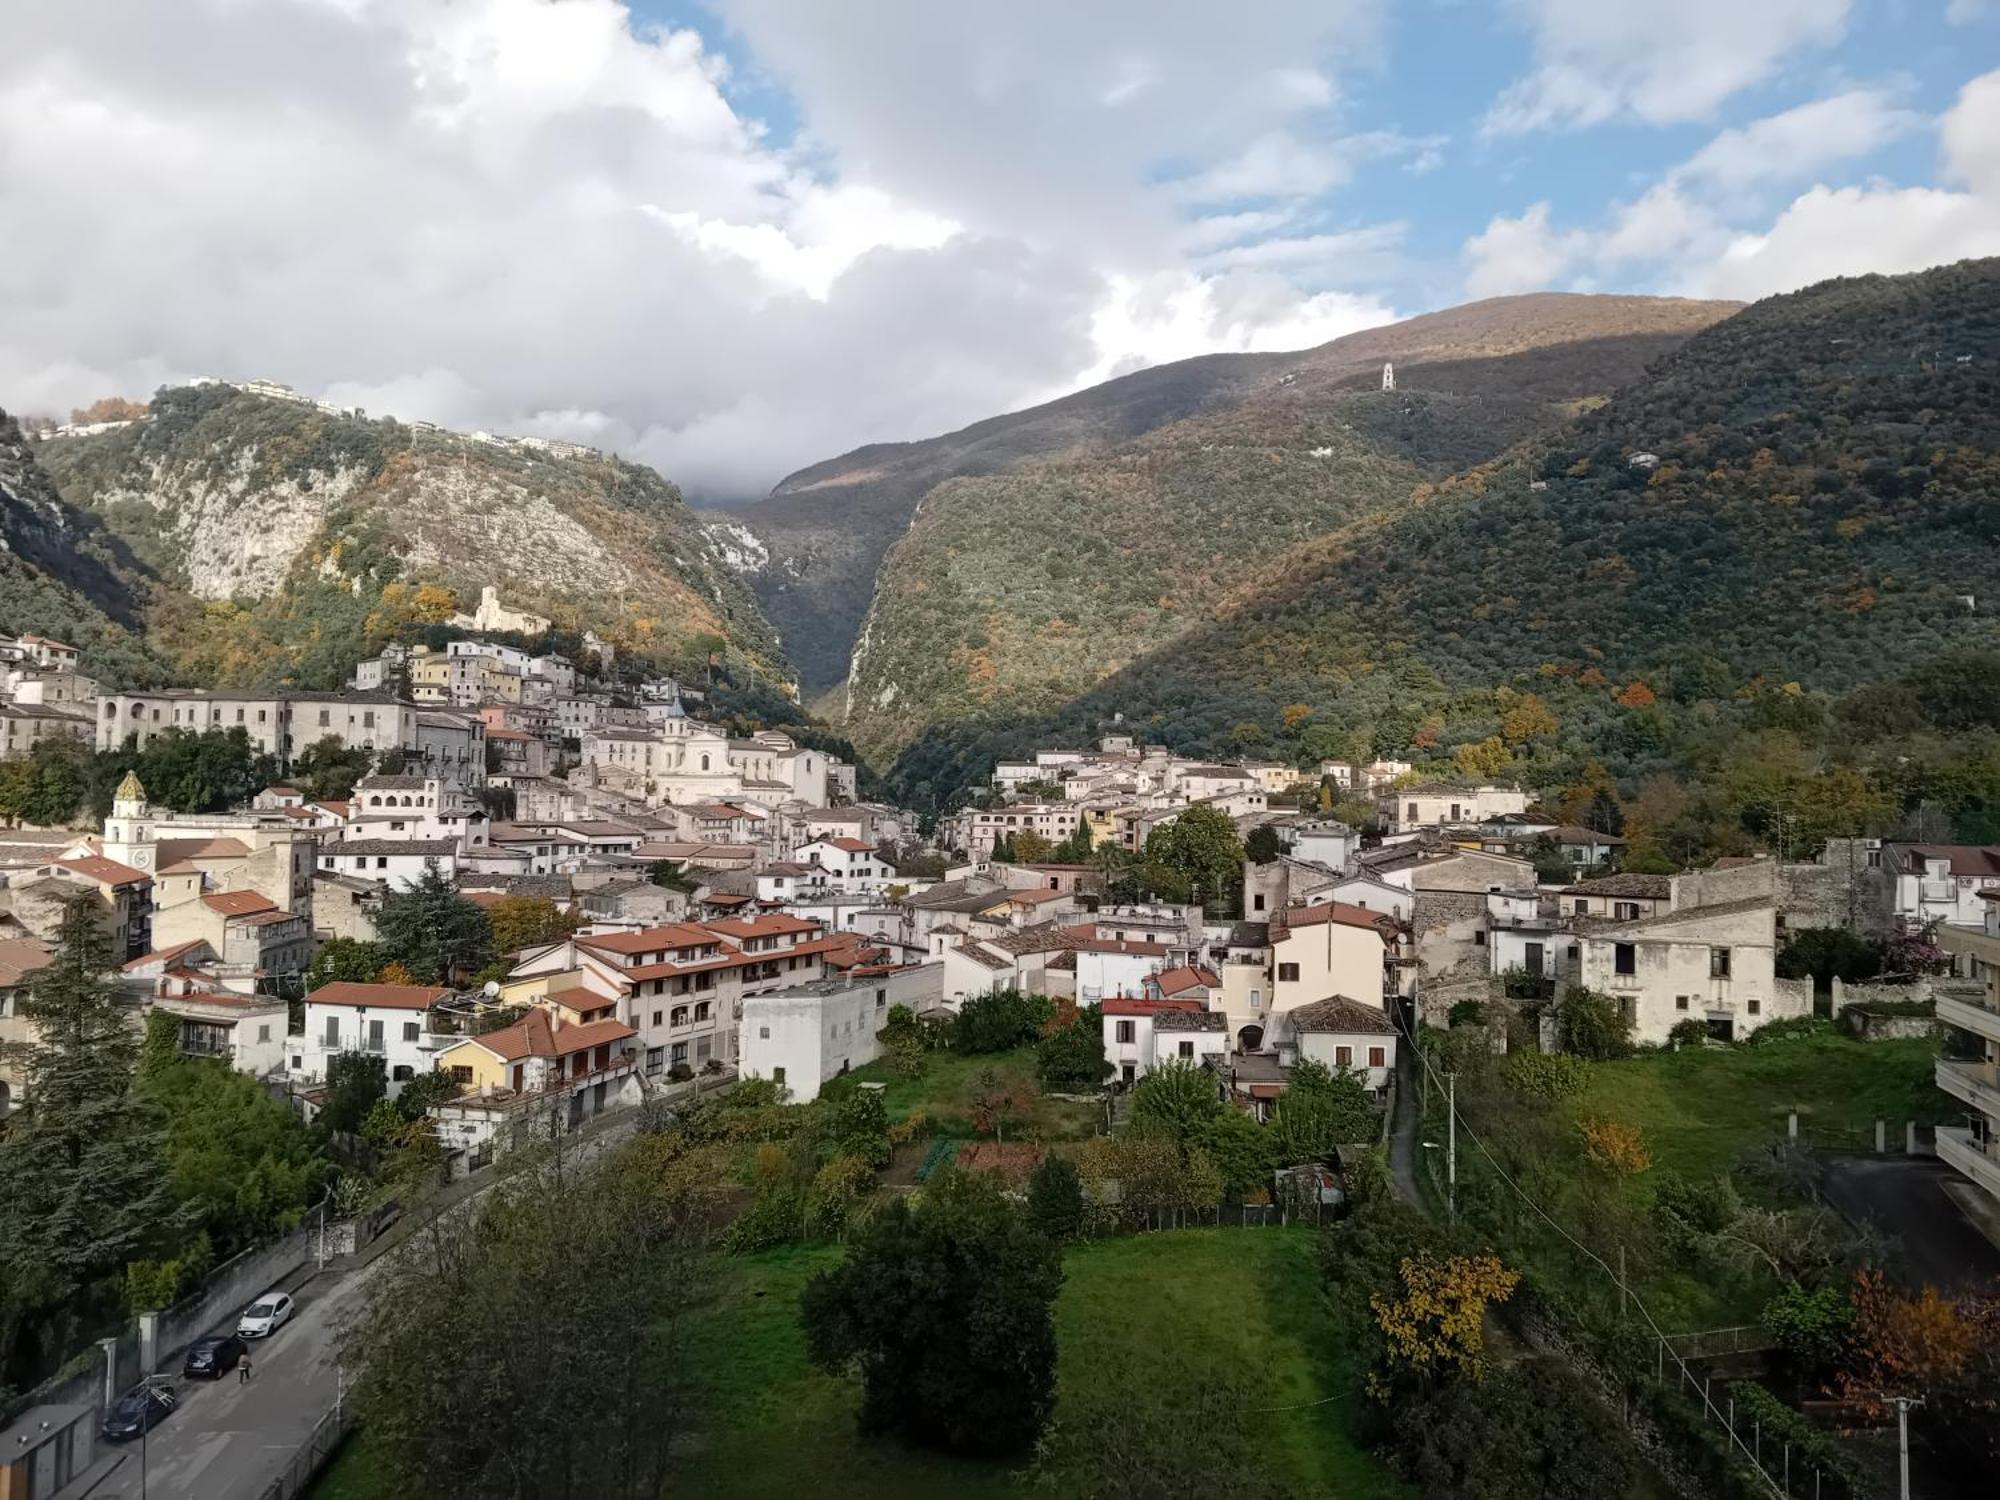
(1923, 990)
(1840, 890)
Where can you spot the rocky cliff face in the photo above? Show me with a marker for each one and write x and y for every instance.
(62, 574)
(271, 507)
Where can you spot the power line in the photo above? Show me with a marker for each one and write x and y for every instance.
(1592, 1255)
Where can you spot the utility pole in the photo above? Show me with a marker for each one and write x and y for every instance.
(1903, 1405)
(1451, 1145)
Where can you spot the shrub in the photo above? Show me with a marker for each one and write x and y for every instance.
(1467, 1013)
(1689, 1033)
(999, 1022)
(1615, 1146)
(1810, 1326)
(1055, 1199)
(1792, 1027)
(1552, 1076)
(913, 1127)
(1592, 1025)
(835, 1190)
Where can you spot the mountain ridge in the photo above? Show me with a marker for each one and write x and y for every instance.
(825, 528)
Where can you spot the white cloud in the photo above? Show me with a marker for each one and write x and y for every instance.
(1519, 254)
(1798, 143)
(1658, 61)
(534, 216)
(1687, 234)
(1175, 315)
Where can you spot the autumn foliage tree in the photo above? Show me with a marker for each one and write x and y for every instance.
(1435, 1328)
(1615, 1146)
(1920, 1345)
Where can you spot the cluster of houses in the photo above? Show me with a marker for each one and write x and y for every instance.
(738, 912)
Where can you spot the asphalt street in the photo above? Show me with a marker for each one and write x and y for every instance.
(229, 1439)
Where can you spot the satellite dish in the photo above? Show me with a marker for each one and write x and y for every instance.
(492, 988)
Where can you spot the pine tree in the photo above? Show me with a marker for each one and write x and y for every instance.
(432, 931)
(83, 1178)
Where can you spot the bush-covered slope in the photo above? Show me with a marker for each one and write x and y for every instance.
(1013, 593)
(309, 533)
(62, 575)
(825, 529)
(1825, 497)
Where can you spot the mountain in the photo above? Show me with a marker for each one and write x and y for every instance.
(294, 538)
(1803, 497)
(63, 575)
(812, 549)
(1016, 592)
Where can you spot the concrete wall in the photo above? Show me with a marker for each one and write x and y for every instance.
(228, 1289)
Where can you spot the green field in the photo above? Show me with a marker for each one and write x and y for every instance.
(1157, 1310)
(1702, 1108)
(940, 1092)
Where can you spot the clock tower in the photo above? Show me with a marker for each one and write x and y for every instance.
(128, 832)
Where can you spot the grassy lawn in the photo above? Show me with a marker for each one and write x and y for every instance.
(1150, 1310)
(1702, 1108)
(947, 1078)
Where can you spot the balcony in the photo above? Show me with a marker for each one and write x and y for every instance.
(1937, 892)
(1958, 1150)
(1978, 1084)
(1977, 1019)
(1972, 942)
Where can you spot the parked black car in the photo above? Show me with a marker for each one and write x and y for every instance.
(138, 1409)
(212, 1357)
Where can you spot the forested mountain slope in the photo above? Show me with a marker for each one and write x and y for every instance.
(298, 539)
(1806, 496)
(823, 531)
(62, 575)
(1015, 592)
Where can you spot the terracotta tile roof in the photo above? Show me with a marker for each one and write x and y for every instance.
(581, 1000)
(1293, 918)
(536, 1035)
(850, 845)
(161, 955)
(1197, 976)
(1124, 1005)
(239, 903)
(104, 871)
(387, 996)
(21, 956)
(648, 939)
(765, 926)
(1341, 1016)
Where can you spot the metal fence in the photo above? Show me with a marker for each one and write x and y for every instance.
(312, 1455)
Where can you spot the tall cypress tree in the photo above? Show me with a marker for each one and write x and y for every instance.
(83, 1178)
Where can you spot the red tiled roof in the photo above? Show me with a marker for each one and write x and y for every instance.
(765, 926)
(1198, 976)
(648, 939)
(1125, 1005)
(104, 871)
(21, 956)
(162, 955)
(850, 845)
(536, 1035)
(579, 999)
(239, 903)
(387, 996)
(1340, 912)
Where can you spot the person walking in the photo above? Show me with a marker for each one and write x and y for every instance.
(243, 1370)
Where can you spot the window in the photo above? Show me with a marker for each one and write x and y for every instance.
(659, 1016)
(881, 998)
(1680, 1002)
(778, 1076)
(703, 1010)
(1626, 911)
(655, 1059)
(411, 1030)
(1874, 859)
(402, 1073)
(263, 1033)
(680, 1054)
(333, 1031)
(1756, 1007)
(763, 1033)
(1343, 1057)
(1479, 938)
(1288, 973)
(1378, 1057)
(1187, 1049)
(1718, 963)
(1257, 902)
(1125, 1031)
(1624, 958)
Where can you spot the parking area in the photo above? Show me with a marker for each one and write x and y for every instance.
(1930, 1240)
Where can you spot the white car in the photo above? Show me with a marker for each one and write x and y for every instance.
(265, 1316)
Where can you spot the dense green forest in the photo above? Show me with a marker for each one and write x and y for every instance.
(1815, 533)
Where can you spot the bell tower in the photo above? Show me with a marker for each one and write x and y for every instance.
(128, 832)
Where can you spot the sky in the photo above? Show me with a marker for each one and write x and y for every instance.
(733, 237)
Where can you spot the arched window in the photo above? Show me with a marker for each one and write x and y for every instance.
(1250, 1038)
(704, 762)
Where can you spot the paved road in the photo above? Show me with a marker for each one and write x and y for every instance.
(228, 1439)
(1930, 1239)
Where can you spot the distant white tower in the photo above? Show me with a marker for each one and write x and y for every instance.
(1388, 376)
